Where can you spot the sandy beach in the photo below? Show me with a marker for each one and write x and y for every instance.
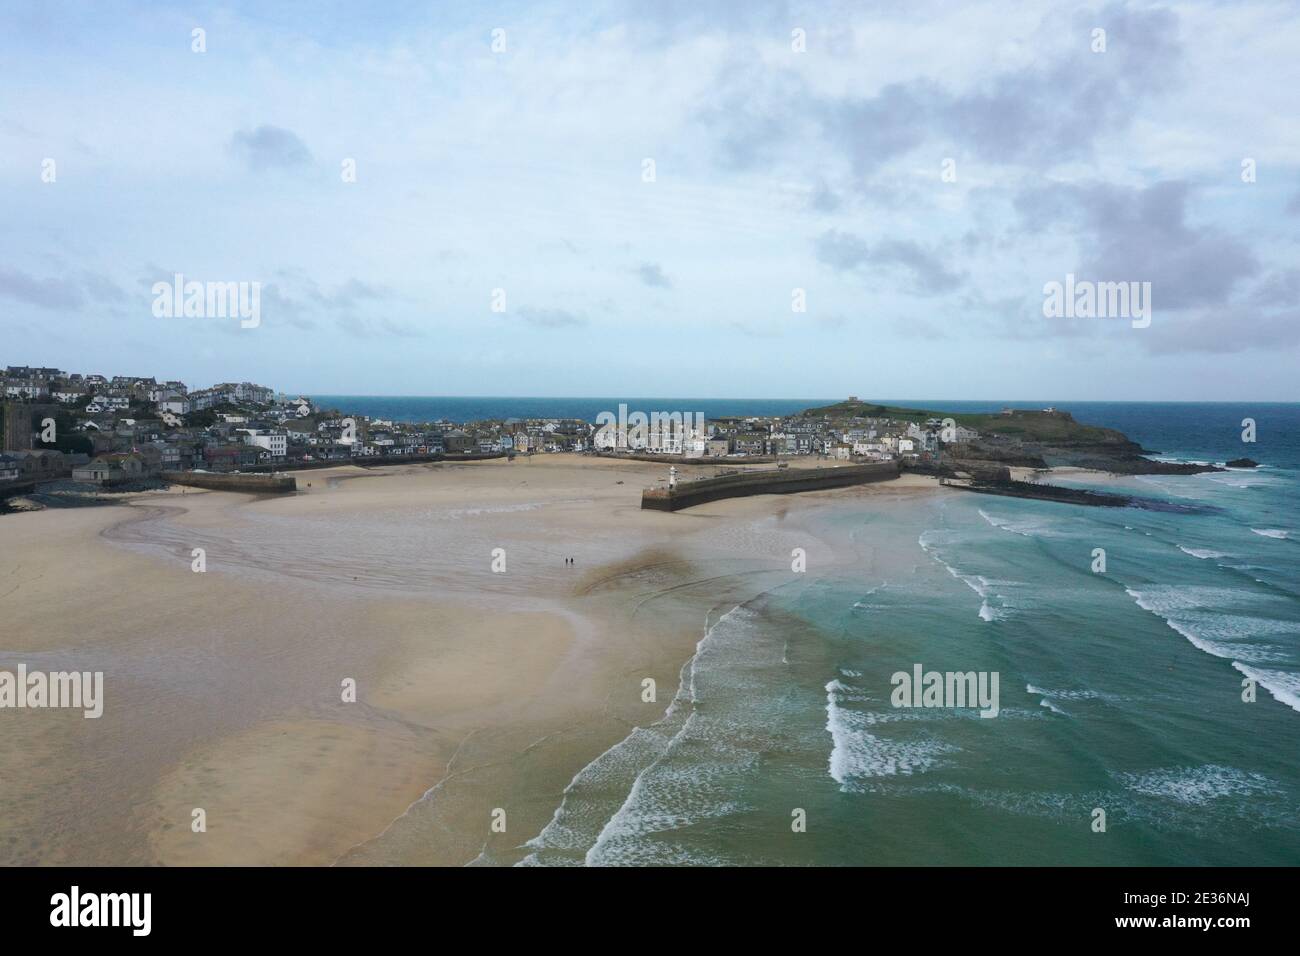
(479, 692)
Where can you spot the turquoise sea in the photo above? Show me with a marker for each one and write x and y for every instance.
(1121, 691)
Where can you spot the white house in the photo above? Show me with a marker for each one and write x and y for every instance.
(277, 445)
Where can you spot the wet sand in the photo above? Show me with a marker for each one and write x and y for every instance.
(480, 692)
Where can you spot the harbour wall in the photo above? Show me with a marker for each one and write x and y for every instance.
(249, 484)
(766, 482)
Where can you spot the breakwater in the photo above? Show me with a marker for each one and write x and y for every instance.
(249, 484)
(1044, 492)
(771, 481)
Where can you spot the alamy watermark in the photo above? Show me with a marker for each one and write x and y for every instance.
(37, 689)
(665, 432)
(130, 910)
(1085, 299)
(208, 300)
(953, 689)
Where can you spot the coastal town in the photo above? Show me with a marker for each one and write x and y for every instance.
(121, 430)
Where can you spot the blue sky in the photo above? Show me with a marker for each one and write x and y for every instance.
(776, 169)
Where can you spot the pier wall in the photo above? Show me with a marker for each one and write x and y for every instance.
(765, 482)
(249, 484)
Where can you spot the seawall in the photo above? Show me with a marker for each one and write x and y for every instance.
(249, 484)
(766, 482)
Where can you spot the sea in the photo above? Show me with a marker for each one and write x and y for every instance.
(1148, 666)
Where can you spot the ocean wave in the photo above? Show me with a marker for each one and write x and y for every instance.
(732, 722)
(1283, 686)
(857, 755)
(1192, 611)
(1025, 527)
(1196, 786)
(585, 813)
(1072, 694)
(1271, 532)
(981, 585)
(1202, 553)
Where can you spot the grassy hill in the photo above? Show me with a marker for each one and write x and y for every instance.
(1048, 428)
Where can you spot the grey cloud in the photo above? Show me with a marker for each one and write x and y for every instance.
(1277, 288)
(841, 251)
(1141, 235)
(926, 269)
(1222, 332)
(876, 129)
(845, 252)
(351, 293)
(369, 328)
(64, 292)
(823, 198)
(1048, 112)
(1052, 113)
(753, 330)
(279, 308)
(270, 147)
(298, 299)
(652, 274)
(551, 318)
(102, 289)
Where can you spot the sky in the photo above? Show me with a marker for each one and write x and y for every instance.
(748, 199)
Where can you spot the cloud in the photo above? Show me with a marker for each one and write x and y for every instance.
(842, 251)
(101, 289)
(823, 198)
(370, 328)
(551, 318)
(1223, 332)
(845, 252)
(653, 275)
(296, 299)
(1049, 111)
(927, 271)
(351, 293)
(1141, 234)
(66, 292)
(270, 147)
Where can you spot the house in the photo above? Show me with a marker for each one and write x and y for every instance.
(41, 464)
(111, 469)
(102, 403)
(25, 388)
(457, 441)
(870, 448)
(718, 446)
(230, 457)
(10, 468)
(276, 444)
